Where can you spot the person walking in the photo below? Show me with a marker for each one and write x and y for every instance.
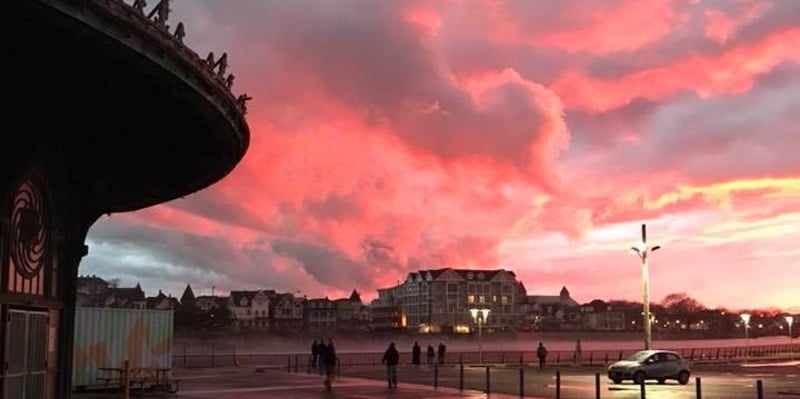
(442, 350)
(541, 353)
(314, 354)
(328, 355)
(391, 357)
(577, 357)
(430, 354)
(415, 354)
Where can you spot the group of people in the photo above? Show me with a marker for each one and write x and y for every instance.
(416, 354)
(541, 354)
(323, 357)
(392, 357)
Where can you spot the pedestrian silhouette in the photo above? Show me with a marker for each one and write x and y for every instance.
(415, 354)
(541, 353)
(314, 354)
(577, 357)
(391, 357)
(430, 354)
(442, 350)
(328, 355)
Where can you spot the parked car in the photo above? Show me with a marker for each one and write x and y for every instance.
(656, 365)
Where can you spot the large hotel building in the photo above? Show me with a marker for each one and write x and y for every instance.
(440, 300)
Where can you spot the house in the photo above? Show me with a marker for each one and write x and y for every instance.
(207, 303)
(321, 315)
(250, 309)
(162, 302)
(600, 316)
(348, 313)
(286, 312)
(129, 298)
(552, 312)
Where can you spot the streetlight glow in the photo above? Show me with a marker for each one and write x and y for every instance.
(789, 320)
(642, 250)
(746, 319)
(480, 316)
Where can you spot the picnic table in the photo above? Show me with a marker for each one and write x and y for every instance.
(157, 378)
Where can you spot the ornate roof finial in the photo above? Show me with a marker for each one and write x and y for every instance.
(180, 33)
(229, 81)
(241, 101)
(139, 6)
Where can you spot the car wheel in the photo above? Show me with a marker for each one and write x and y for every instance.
(683, 377)
(638, 378)
(616, 380)
(661, 380)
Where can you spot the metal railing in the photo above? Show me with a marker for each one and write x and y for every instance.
(588, 357)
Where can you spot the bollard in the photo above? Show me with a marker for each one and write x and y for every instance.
(125, 379)
(461, 377)
(642, 389)
(698, 388)
(597, 385)
(521, 382)
(759, 389)
(436, 376)
(488, 383)
(558, 384)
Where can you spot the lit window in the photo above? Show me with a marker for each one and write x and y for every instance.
(470, 298)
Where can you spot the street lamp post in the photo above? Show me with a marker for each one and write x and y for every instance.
(789, 320)
(642, 250)
(746, 319)
(479, 316)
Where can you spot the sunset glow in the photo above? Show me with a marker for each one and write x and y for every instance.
(535, 136)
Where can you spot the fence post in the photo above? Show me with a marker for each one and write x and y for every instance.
(558, 384)
(436, 376)
(620, 355)
(488, 382)
(759, 389)
(288, 363)
(558, 357)
(461, 377)
(125, 379)
(606, 356)
(521, 382)
(698, 388)
(597, 385)
(296, 363)
(520, 358)
(641, 387)
(591, 357)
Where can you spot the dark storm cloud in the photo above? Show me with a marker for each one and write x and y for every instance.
(326, 265)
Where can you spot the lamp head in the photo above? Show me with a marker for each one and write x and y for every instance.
(745, 318)
(485, 314)
(474, 313)
(789, 320)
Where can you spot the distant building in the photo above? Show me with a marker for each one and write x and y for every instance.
(439, 300)
(162, 302)
(600, 316)
(207, 303)
(129, 298)
(551, 312)
(348, 313)
(286, 312)
(250, 309)
(321, 315)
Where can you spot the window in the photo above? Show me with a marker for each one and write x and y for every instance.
(470, 298)
(482, 299)
(494, 298)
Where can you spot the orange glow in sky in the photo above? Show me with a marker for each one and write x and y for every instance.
(536, 136)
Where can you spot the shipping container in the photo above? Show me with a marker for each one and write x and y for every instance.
(107, 337)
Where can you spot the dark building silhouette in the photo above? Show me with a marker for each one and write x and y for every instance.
(102, 110)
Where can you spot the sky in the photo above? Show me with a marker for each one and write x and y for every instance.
(534, 136)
